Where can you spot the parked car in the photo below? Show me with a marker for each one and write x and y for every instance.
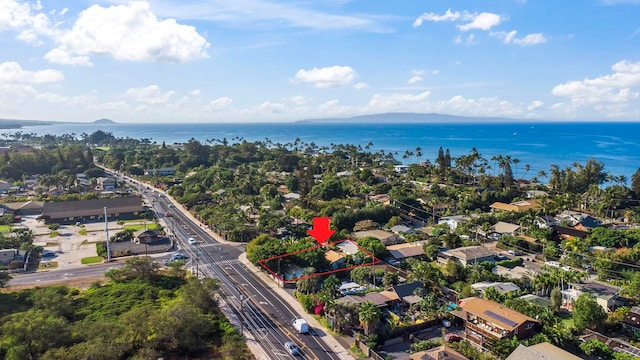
(48, 253)
(179, 256)
(292, 348)
(513, 252)
(501, 257)
(452, 337)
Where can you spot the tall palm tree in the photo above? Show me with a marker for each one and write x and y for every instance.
(369, 316)
(308, 282)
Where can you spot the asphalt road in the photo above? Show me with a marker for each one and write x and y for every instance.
(265, 316)
(57, 275)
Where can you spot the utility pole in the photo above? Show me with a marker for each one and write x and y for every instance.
(106, 231)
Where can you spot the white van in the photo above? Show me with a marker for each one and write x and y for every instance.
(301, 326)
(554, 264)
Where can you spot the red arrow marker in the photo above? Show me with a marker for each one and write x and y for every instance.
(321, 231)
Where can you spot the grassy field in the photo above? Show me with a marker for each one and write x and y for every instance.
(92, 260)
(5, 228)
(138, 227)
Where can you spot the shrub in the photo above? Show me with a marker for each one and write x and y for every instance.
(53, 227)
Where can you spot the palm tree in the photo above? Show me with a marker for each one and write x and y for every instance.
(369, 316)
(308, 281)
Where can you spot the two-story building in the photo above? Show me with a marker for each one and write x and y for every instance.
(486, 319)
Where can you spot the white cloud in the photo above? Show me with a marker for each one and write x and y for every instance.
(219, 103)
(128, 32)
(267, 14)
(511, 38)
(149, 95)
(299, 100)
(397, 101)
(621, 87)
(327, 77)
(12, 73)
(195, 92)
(447, 16)
(469, 40)
(534, 105)
(52, 98)
(482, 21)
(60, 56)
(14, 14)
(416, 76)
(361, 85)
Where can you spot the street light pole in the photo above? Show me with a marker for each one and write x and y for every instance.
(106, 231)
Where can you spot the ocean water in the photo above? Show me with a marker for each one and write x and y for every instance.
(539, 145)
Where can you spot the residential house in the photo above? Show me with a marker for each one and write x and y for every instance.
(615, 344)
(24, 207)
(406, 292)
(107, 183)
(70, 212)
(467, 255)
(606, 295)
(336, 259)
(402, 229)
(454, 221)
(518, 206)
(407, 250)
(505, 228)
(631, 322)
(7, 256)
(381, 198)
(4, 187)
(291, 196)
(386, 237)
(530, 194)
(541, 351)
(546, 221)
(517, 273)
(147, 237)
(382, 299)
(166, 171)
(348, 247)
(400, 169)
(578, 220)
(501, 287)
(486, 319)
(565, 233)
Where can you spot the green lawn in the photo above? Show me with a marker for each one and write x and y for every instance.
(92, 260)
(138, 227)
(134, 220)
(5, 228)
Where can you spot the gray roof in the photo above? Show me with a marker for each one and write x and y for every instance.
(94, 207)
(542, 351)
(470, 252)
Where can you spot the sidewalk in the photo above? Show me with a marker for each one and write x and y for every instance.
(328, 339)
(257, 351)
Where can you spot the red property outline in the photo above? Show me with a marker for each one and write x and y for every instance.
(262, 262)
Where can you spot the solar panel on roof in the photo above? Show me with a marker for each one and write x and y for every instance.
(500, 318)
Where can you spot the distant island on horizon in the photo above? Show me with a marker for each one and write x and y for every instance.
(381, 118)
(18, 124)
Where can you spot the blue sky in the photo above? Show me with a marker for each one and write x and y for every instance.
(276, 60)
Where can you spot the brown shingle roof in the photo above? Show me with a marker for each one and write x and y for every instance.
(486, 308)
